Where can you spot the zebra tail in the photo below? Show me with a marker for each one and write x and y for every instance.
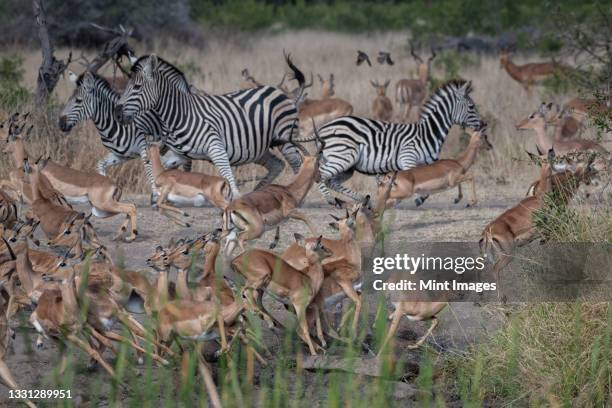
(298, 76)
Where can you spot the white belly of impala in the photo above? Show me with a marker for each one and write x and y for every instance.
(100, 213)
(77, 199)
(182, 201)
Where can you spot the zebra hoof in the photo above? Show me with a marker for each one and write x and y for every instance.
(419, 201)
(456, 201)
(187, 225)
(185, 214)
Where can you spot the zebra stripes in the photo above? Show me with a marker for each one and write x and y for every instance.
(95, 99)
(230, 129)
(375, 147)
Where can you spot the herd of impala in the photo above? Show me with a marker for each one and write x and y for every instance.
(314, 273)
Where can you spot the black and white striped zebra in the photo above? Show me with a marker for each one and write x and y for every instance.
(94, 99)
(230, 129)
(375, 147)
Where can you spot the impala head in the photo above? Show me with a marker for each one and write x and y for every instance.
(70, 230)
(6, 125)
(82, 104)
(159, 260)
(536, 120)
(22, 230)
(479, 138)
(557, 116)
(504, 58)
(327, 86)
(182, 254)
(381, 90)
(149, 75)
(13, 130)
(314, 249)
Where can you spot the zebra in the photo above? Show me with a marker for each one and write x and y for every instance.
(95, 99)
(230, 129)
(375, 147)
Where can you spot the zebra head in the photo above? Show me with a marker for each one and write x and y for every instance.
(464, 111)
(142, 91)
(81, 105)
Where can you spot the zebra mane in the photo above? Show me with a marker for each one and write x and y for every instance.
(169, 71)
(448, 87)
(101, 85)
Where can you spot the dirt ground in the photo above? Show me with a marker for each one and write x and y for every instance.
(437, 220)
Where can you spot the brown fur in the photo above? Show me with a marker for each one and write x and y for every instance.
(537, 122)
(382, 108)
(250, 215)
(438, 176)
(266, 270)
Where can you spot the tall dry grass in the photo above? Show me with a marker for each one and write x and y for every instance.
(216, 69)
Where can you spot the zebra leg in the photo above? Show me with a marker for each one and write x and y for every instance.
(335, 184)
(218, 156)
(111, 159)
(293, 156)
(273, 164)
(148, 169)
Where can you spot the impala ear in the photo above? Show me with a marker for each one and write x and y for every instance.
(88, 80)
(150, 66)
(299, 238)
(334, 226)
(159, 248)
(133, 58)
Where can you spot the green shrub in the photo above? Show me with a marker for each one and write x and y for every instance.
(12, 94)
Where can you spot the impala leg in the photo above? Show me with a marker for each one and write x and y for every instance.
(258, 356)
(117, 207)
(459, 193)
(434, 323)
(397, 316)
(206, 374)
(221, 328)
(272, 322)
(253, 302)
(473, 185)
(9, 381)
(93, 353)
(347, 287)
(117, 337)
(165, 208)
(319, 327)
(300, 311)
(276, 240)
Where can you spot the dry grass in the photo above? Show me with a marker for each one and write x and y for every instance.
(217, 68)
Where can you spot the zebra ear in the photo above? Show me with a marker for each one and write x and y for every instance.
(466, 88)
(150, 66)
(88, 80)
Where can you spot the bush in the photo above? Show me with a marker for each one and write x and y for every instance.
(12, 95)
